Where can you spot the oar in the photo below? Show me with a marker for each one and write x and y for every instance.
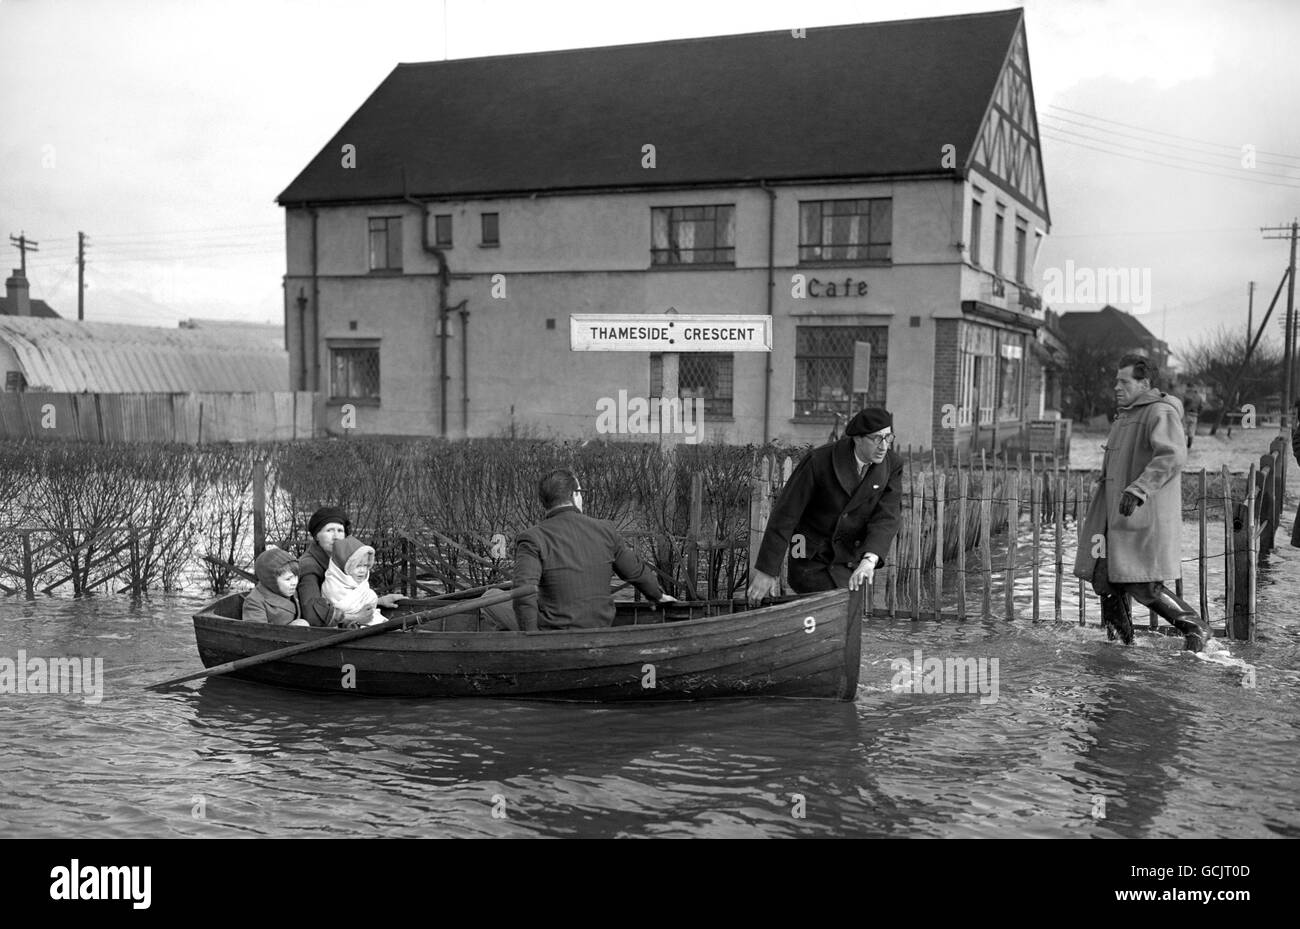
(399, 622)
(454, 594)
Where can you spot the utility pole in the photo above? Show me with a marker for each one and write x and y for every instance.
(24, 245)
(1250, 311)
(81, 276)
(1288, 357)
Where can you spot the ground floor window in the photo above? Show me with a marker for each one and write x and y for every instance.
(991, 373)
(699, 374)
(839, 369)
(354, 370)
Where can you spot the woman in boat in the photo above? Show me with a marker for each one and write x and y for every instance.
(327, 525)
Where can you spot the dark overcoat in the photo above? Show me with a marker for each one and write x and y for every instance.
(836, 517)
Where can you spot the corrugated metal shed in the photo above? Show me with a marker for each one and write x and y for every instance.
(62, 355)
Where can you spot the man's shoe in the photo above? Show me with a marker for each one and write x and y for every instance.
(1117, 619)
(1181, 616)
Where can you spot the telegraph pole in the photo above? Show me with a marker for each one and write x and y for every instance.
(1289, 355)
(1250, 312)
(24, 245)
(81, 276)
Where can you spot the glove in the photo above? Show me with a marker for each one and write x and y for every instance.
(1128, 503)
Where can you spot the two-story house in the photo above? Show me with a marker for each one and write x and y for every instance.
(876, 189)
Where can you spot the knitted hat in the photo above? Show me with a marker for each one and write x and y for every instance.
(326, 515)
(868, 421)
(271, 564)
(346, 549)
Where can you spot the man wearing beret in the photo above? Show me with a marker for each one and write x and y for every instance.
(838, 513)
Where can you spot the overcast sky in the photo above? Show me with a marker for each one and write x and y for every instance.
(165, 129)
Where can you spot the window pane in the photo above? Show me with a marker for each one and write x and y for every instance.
(442, 229)
(395, 243)
(491, 230)
(824, 368)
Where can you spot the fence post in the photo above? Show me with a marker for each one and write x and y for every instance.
(986, 550)
(1058, 517)
(693, 533)
(1203, 557)
(1229, 559)
(1012, 494)
(134, 541)
(259, 505)
(918, 502)
(29, 579)
(940, 479)
(1243, 608)
(1080, 512)
(963, 492)
(1034, 515)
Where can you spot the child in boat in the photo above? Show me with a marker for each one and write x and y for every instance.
(347, 583)
(273, 600)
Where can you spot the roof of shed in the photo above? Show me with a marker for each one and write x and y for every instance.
(63, 355)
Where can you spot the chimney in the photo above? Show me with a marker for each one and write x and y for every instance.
(17, 290)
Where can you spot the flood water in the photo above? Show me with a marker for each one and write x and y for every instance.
(1084, 738)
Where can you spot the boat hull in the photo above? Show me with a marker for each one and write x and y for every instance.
(809, 647)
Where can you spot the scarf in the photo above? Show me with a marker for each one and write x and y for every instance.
(340, 587)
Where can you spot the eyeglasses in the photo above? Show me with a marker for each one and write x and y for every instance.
(879, 438)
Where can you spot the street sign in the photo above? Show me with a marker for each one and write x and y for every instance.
(660, 332)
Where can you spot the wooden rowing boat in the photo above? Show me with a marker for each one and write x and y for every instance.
(799, 647)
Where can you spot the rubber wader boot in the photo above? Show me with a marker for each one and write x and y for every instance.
(1170, 606)
(1117, 619)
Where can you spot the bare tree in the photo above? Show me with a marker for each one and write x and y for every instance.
(1219, 361)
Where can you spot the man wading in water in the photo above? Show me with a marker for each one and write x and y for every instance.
(1130, 541)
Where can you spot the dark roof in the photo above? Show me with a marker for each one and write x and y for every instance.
(1104, 322)
(38, 308)
(874, 99)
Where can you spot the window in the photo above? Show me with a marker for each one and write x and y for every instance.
(491, 229)
(976, 224)
(442, 230)
(699, 374)
(386, 243)
(999, 225)
(1022, 237)
(354, 370)
(845, 230)
(15, 381)
(692, 235)
(1010, 371)
(824, 363)
(977, 352)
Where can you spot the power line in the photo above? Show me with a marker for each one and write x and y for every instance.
(1065, 109)
(1252, 180)
(1244, 173)
(1233, 156)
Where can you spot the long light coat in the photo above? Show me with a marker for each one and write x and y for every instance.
(1145, 454)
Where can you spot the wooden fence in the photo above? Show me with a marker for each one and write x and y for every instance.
(189, 418)
(960, 510)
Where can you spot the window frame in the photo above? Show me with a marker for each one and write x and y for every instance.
(495, 240)
(878, 337)
(438, 240)
(864, 256)
(712, 405)
(392, 244)
(976, 225)
(336, 347)
(669, 255)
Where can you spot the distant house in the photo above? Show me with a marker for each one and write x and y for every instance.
(17, 300)
(1109, 326)
(66, 356)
